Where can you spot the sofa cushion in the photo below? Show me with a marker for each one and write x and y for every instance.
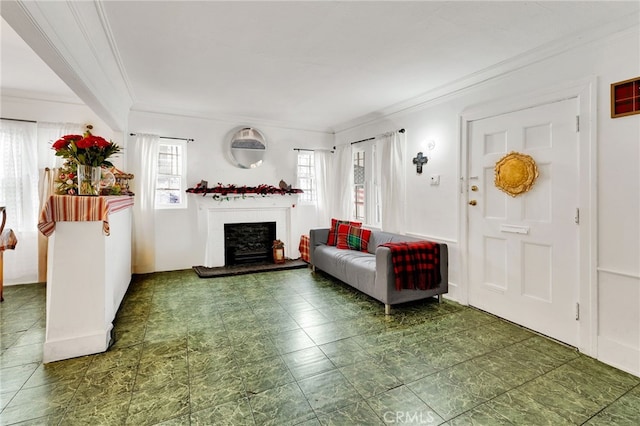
(356, 268)
(353, 238)
(333, 230)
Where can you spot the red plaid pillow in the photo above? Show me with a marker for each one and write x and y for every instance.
(333, 231)
(353, 238)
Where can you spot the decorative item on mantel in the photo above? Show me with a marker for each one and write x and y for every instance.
(228, 192)
(86, 153)
(283, 185)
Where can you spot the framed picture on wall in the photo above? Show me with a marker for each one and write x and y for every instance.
(625, 98)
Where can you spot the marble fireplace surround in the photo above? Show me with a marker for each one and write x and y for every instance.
(213, 214)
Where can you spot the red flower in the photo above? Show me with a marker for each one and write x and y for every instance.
(101, 142)
(84, 143)
(64, 141)
(59, 144)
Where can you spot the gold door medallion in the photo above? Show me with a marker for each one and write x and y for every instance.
(515, 173)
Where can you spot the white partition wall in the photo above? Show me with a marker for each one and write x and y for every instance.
(88, 274)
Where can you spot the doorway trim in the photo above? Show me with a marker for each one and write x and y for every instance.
(585, 91)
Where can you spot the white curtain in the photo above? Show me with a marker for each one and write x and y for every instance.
(142, 162)
(48, 165)
(392, 179)
(19, 193)
(322, 170)
(48, 133)
(342, 183)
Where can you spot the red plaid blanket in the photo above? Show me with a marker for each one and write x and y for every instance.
(304, 248)
(416, 264)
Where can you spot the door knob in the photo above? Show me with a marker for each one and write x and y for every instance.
(474, 188)
(473, 202)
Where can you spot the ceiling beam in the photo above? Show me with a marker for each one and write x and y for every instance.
(74, 40)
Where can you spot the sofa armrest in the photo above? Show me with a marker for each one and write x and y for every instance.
(385, 274)
(317, 236)
(385, 277)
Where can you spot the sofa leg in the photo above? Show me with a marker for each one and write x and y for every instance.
(439, 298)
(387, 309)
(313, 268)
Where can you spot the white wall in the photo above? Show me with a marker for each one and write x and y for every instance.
(179, 243)
(433, 211)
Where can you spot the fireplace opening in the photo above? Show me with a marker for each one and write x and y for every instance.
(248, 242)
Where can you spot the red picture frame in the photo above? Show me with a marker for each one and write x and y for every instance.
(625, 98)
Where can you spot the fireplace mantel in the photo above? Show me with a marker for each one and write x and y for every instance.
(213, 214)
(248, 201)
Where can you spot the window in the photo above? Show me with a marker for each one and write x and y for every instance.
(366, 191)
(171, 179)
(306, 177)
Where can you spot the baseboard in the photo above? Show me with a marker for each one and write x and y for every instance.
(56, 350)
(454, 293)
(618, 355)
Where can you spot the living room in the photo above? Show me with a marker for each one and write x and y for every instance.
(581, 67)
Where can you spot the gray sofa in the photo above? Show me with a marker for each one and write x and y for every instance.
(372, 272)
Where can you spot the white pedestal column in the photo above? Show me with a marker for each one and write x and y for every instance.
(88, 274)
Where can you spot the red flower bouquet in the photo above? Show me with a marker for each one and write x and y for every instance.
(87, 149)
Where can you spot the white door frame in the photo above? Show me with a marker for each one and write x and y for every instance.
(585, 91)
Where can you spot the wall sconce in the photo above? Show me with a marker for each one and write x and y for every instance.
(420, 159)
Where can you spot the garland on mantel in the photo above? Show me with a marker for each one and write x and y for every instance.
(225, 190)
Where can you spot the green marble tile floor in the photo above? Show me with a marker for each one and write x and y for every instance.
(293, 347)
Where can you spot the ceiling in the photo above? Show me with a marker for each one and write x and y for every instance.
(313, 65)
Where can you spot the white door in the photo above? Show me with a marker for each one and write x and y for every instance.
(523, 250)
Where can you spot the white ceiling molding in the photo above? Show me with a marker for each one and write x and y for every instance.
(73, 40)
(18, 95)
(549, 50)
(229, 118)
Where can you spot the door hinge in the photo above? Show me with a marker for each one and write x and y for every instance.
(577, 311)
(577, 123)
(576, 218)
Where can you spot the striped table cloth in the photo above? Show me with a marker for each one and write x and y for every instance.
(74, 208)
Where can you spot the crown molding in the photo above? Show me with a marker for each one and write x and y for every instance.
(442, 93)
(19, 95)
(228, 118)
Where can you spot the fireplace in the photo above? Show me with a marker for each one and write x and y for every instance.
(248, 242)
(213, 215)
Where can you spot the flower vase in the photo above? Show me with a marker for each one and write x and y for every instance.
(89, 180)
